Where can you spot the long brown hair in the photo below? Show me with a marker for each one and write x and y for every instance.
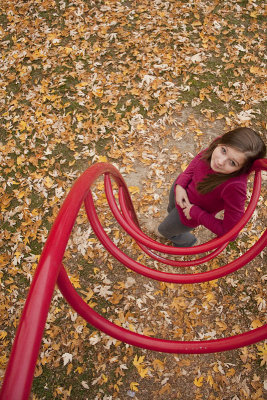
(242, 139)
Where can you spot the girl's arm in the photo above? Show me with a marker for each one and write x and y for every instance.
(234, 197)
(185, 177)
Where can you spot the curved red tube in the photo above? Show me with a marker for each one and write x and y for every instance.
(20, 369)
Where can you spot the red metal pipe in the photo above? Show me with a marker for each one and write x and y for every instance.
(19, 373)
(20, 369)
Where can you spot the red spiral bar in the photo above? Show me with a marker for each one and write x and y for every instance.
(166, 276)
(20, 369)
(124, 219)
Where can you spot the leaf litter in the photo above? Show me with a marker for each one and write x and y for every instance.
(144, 85)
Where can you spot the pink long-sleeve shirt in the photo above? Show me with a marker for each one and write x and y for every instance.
(229, 196)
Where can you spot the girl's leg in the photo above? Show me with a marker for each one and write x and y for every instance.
(172, 229)
(171, 204)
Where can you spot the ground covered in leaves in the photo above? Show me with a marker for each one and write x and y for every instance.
(143, 85)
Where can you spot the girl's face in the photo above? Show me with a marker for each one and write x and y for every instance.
(226, 159)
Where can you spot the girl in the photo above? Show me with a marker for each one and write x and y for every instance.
(215, 180)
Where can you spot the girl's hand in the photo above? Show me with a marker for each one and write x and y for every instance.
(181, 197)
(186, 211)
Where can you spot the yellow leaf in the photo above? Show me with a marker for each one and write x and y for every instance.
(256, 324)
(178, 303)
(38, 371)
(116, 387)
(137, 362)
(3, 334)
(44, 360)
(134, 189)
(184, 166)
(79, 117)
(20, 160)
(20, 195)
(210, 296)
(98, 92)
(51, 97)
(210, 380)
(22, 125)
(135, 91)
(5, 201)
(68, 50)
(198, 381)
(36, 55)
(4, 260)
(158, 365)
(75, 281)
(48, 182)
(162, 110)
(116, 298)
(155, 84)
(222, 325)
(102, 159)
(52, 36)
(197, 23)
(178, 332)
(143, 372)
(82, 84)
(263, 353)
(165, 388)
(254, 14)
(23, 137)
(120, 285)
(244, 355)
(70, 366)
(230, 372)
(133, 386)
(257, 71)
(148, 332)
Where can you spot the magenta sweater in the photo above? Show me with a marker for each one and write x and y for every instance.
(229, 196)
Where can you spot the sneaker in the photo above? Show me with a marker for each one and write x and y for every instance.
(152, 227)
(195, 241)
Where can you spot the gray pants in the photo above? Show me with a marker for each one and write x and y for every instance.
(172, 228)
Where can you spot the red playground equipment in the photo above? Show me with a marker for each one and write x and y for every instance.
(50, 271)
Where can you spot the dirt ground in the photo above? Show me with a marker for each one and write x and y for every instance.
(183, 148)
